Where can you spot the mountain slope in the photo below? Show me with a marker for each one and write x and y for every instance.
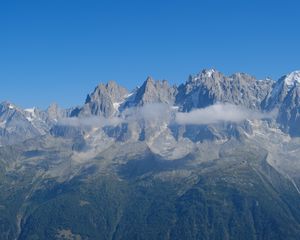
(211, 86)
(237, 195)
(103, 101)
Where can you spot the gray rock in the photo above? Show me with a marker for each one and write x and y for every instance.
(152, 92)
(285, 97)
(16, 125)
(101, 101)
(211, 86)
(56, 112)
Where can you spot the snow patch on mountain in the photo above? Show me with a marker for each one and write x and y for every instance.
(30, 114)
(30, 110)
(209, 72)
(117, 105)
(292, 78)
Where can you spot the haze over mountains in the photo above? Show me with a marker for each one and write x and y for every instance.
(213, 158)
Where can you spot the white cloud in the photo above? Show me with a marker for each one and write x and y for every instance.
(149, 112)
(158, 112)
(219, 113)
(93, 121)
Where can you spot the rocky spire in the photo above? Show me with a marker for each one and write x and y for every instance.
(155, 92)
(101, 102)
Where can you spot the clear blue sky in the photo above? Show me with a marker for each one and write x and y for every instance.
(58, 50)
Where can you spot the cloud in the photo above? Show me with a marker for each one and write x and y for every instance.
(93, 121)
(220, 113)
(157, 113)
(149, 112)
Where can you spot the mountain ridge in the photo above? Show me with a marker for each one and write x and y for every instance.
(202, 90)
(215, 158)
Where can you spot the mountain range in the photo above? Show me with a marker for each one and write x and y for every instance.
(216, 157)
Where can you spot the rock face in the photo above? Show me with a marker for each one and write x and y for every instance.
(211, 86)
(104, 101)
(281, 89)
(289, 112)
(17, 125)
(55, 112)
(285, 97)
(154, 92)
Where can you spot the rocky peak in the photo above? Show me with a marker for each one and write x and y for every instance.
(112, 90)
(154, 92)
(292, 79)
(208, 72)
(7, 106)
(242, 76)
(286, 97)
(103, 101)
(211, 86)
(17, 125)
(206, 75)
(281, 89)
(55, 112)
(53, 108)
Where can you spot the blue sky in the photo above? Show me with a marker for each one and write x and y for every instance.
(59, 50)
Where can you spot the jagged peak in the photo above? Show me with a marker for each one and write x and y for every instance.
(291, 79)
(110, 89)
(31, 110)
(242, 75)
(208, 72)
(149, 79)
(111, 83)
(53, 105)
(147, 83)
(53, 109)
(9, 105)
(214, 74)
(153, 91)
(286, 83)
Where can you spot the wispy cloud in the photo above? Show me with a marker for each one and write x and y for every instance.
(157, 113)
(220, 113)
(93, 121)
(148, 112)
